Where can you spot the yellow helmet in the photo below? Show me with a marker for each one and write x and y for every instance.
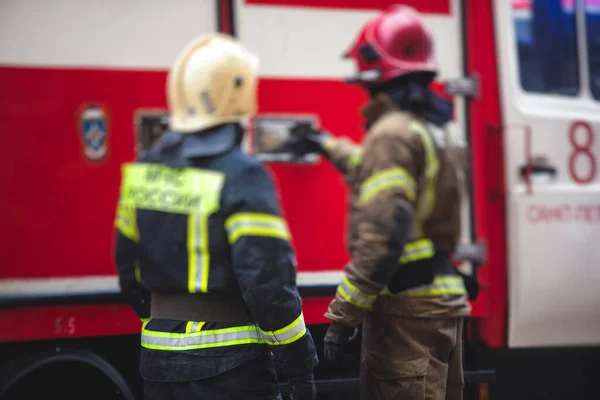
(212, 82)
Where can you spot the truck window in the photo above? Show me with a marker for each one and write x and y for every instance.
(592, 21)
(545, 31)
(149, 126)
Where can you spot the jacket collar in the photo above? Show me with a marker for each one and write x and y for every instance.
(379, 105)
(212, 142)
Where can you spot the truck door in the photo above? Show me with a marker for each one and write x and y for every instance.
(548, 63)
(300, 44)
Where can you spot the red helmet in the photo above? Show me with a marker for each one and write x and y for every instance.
(391, 45)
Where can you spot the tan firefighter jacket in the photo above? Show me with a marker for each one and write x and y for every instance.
(398, 162)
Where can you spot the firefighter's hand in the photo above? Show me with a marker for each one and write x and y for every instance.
(317, 142)
(336, 340)
(303, 387)
(308, 140)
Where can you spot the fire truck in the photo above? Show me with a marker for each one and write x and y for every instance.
(82, 91)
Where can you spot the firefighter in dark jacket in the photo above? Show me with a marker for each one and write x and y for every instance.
(202, 249)
(404, 221)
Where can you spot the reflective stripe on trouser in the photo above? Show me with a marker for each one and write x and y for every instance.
(247, 334)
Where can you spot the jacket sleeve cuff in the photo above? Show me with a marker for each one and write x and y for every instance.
(342, 153)
(345, 313)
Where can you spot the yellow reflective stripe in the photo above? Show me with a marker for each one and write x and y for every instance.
(137, 272)
(346, 296)
(198, 254)
(195, 338)
(420, 249)
(198, 326)
(171, 335)
(190, 191)
(126, 223)
(352, 294)
(255, 224)
(396, 177)
(442, 285)
(427, 198)
(193, 326)
(355, 158)
(202, 340)
(174, 190)
(288, 334)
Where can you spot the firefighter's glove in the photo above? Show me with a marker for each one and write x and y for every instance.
(303, 387)
(308, 140)
(336, 340)
(316, 142)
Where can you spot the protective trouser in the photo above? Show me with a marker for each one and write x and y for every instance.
(255, 380)
(411, 358)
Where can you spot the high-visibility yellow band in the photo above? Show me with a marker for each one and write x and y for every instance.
(193, 326)
(195, 338)
(288, 334)
(173, 190)
(137, 272)
(432, 167)
(126, 223)
(255, 224)
(247, 334)
(198, 254)
(417, 250)
(352, 294)
(355, 158)
(396, 177)
(443, 285)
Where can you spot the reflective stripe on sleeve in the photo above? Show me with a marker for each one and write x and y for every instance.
(355, 158)
(287, 334)
(417, 250)
(352, 294)
(255, 224)
(396, 177)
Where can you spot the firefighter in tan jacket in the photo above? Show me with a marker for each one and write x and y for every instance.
(404, 222)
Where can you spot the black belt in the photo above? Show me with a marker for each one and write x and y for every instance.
(211, 307)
